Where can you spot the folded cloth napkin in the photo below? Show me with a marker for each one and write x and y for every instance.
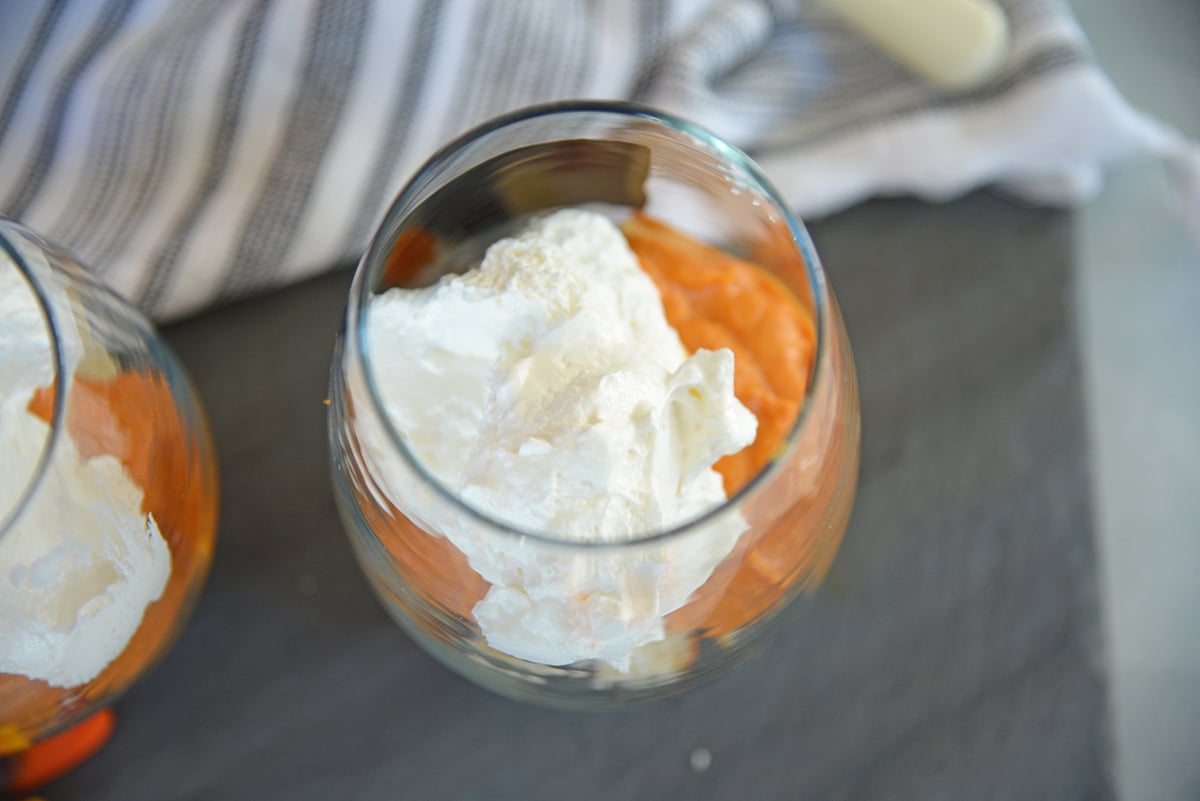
(193, 151)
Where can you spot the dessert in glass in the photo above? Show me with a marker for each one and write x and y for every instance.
(108, 500)
(594, 419)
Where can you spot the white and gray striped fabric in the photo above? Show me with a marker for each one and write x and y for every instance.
(194, 151)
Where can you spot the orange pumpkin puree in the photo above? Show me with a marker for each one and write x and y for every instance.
(133, 417)
(437, 571)
(715, 300)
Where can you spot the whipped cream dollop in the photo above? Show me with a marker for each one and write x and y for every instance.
(81, 561)
(548, 391)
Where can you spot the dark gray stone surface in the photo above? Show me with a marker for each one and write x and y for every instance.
(953, 653)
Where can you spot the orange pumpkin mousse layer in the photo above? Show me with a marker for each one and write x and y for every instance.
(713, 300)
(716, 300)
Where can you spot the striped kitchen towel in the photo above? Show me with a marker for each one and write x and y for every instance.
(193, 151)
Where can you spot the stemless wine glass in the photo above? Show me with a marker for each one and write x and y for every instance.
(109, 497)
(614, 159)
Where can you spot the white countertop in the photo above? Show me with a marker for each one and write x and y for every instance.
(1139, 291)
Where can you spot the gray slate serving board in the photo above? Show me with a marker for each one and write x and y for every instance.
(952, 654)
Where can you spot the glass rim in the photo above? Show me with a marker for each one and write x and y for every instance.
(371, 265)
(9, 518)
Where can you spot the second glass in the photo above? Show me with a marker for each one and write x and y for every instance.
(423, 548)
(108, 509)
